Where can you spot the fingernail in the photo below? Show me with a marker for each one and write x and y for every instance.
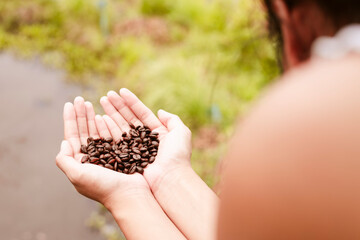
(124, 90)
(112, 93)
(103, 99)
(79, 98)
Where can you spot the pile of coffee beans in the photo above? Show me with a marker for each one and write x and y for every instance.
(131, 154)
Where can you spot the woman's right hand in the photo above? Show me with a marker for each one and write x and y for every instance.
(175, 138)
(98, 183)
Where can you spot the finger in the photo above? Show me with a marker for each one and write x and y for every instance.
(171, 121)
(114, 114)
(119, 103)
(90, 116)
(80, 111)
(113, 127)
(71, 133)
(143, 113)
(102, 127)
(66, 162)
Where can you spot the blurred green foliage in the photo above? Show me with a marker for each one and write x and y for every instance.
(204, 60)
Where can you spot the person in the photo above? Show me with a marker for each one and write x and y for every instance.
(292, 168)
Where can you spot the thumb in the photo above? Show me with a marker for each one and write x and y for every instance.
(170, 121)
(65, 160)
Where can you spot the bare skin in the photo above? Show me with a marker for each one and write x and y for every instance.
(296, 175)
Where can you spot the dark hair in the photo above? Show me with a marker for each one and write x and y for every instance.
(341, 13)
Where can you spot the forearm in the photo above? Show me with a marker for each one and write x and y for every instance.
(142, 218)
(189, 203)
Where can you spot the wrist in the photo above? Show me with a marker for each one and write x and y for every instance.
(169, 177)
(119, 201)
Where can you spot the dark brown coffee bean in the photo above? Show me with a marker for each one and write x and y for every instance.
(84, 158)
(133, 133)
(94, 159)
(109, 139)
(89, 140)
(124, 134)
(103, 161)
(136, 150)
(124, 155)
(118, 159)
(144, 164)
(107, 146)
(137, 157)
(115, 166)
(100, 149)
(140, 170)
(131, 125)
(154, 154)
(154, 143)
(112, 161)
(126, 171)
(151, 159)
(109, 166)
(132, 169)
(107, 155)
(83, 149)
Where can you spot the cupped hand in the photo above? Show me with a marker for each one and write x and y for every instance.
(95, 182)
(174, 151)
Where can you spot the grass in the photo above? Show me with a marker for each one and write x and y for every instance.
(203, 60)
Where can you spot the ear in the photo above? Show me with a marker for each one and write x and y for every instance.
(292, 48)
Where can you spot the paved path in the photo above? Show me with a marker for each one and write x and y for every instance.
(36, 200)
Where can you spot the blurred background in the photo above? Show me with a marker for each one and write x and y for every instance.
(204, 60)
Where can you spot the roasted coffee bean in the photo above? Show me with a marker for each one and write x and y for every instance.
(112, 161)
(94, 159)
(133, 153)
(136, 150)
(132, 169)
(107, 146)
(144, 164)
(140, 170)
(83, 149)
(109, 166)
(151, 159)
(115, 166)
(131, 125)
(85, 158)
